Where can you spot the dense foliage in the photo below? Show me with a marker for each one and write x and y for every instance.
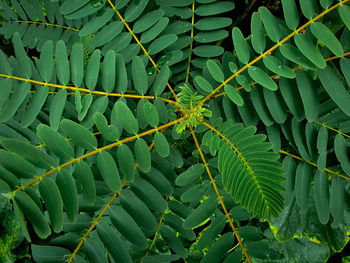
(167, 131)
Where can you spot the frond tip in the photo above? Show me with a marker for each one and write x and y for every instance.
(250, 172)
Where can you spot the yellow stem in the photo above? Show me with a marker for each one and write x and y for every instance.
(330, 128)
(100, 215)
(219, 196)
(97, 151)
(46, 24)
(101, 93)
(268, 52)
(313, 164)
(71, 258)
(277, 76)
(139, 43)
(191, 45)
(156, 234)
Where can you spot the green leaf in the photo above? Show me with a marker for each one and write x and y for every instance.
(270, 23)
(308, 49)
(149, 195)
(207, 51)
(211, 23)
(233, 95)
(107, 33)
(45, 66)
(79, 134)
(77, 65)
(127, 226)
(302, 185)
(37, 101)
(274, 103)
(258, 34)
(17, 165)
(96, 23)
(262, 78)
(308, 94)
(55, 142)
(57, 107)
(108, 71)
(161, 144)
(321, 32)
(335, 88)
(154, 31)
(146, 21)
(241, 46)
(151, 114)
(134, 10)
(8, 177)
(126, 117)
(190, 175)
(45, 254)
(344, 12)
(109, 171)
(321, 191)
(109, 132)
(62, 64)
(215, 71)
(68, 190)
(340, 149)
(4, 187)
(275, 65)
(293, 54)
(291, 14)
(86, 178)
(92, 70)
(201, 213)
(219, 249)
(126, 162)
(113, 243)
(300, 140)
(33, 213)
(143, 155)
(203, 84)
(29, 152)
(161, 43)
(139, 75)
(138, 211)
(337, 200)
(309, 8)
(121, 75)
(161, 80)
(53, 203)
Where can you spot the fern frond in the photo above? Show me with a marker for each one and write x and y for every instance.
(246, 168)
